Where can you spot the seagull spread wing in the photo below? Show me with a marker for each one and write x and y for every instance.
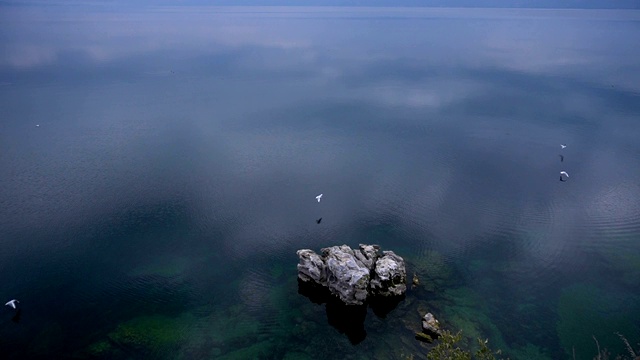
(564, 173)
(319, 197)
(563, 146)
(12, 303)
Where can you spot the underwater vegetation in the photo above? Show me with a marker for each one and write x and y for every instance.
(286, 325)
(587, 312)
(448, 349)
(145, 336)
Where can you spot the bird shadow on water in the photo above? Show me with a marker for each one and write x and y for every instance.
(347, 319)
(16, 317)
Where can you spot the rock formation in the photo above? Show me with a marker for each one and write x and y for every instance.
(431, 326)
(430, 329)
(390, 276)
(354, 275)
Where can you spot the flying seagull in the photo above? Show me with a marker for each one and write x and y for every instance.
(563, 145)
(318, 221)
(319, 197)
(12, 303)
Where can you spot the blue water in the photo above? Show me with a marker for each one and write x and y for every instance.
(158, 168)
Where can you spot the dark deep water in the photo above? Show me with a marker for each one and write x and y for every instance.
(155, 211)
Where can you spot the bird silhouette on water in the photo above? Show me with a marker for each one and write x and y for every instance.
(318, 221)
(563, 176)
(561, 158)
(17, 316)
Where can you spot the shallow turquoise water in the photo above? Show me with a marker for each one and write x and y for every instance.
(159, 168)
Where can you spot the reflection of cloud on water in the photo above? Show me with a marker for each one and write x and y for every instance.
(37, 39)
(433, 94)
(411, 90)
(27, 56)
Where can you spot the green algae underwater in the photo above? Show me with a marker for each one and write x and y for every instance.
(297, 328)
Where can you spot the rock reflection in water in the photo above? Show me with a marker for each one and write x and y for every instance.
(347, 319)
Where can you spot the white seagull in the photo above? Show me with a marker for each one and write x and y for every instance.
(319, 197)
(564, 173)
(563, 146)
(12, 303)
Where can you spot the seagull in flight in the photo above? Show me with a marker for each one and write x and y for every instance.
(318, 221)
(12, 303)
(319, 197)
(563, 145)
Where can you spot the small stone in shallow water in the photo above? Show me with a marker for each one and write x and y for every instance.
(431, 325)
(415, 282)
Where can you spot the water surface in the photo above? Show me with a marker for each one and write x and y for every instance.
(159, 168)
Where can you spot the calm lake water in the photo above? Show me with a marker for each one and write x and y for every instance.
(158, 169)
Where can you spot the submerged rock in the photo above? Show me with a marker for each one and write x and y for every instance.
(353, 275)
(415, 282)
(424, 337)
(431, 326)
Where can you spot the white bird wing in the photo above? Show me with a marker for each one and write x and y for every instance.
(319, 197)
(11, 303)
(564, 173)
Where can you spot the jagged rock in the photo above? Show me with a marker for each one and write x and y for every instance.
(311, 267)
(390, 276)
(353, 275)
(367, 255)
(347, 277)
(431, 326)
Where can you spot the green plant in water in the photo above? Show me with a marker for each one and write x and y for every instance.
(604, 354)
(448, 349)
(484, 353)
